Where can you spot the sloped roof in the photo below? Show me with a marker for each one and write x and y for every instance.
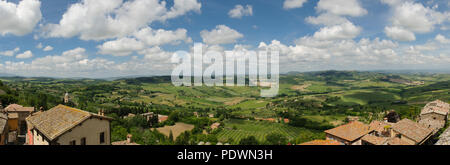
(413, 130)
(18, 108)
(3, 122)
(59, 119)
(322, 142)
(398, 141)
(375, 139)
(437, 106)
(350, 131)
(378, 125)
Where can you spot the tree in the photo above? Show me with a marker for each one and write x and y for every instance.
(276, 139)
(171, 136)
(251, 140)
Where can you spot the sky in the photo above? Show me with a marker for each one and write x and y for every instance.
(113, 38)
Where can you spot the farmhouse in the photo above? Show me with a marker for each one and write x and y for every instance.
(348, 134)
(215, 126)
(411, 132)
(434, 115)
(63, 125)
(162, 118)
(3, 129)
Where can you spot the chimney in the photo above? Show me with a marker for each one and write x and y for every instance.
(386, 119)
(100, 112)
(41, 109)
(129, 136)
(103, 112)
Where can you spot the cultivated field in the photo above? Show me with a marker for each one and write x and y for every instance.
(259, 129)
(176, 129)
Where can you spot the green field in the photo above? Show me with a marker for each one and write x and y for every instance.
(259, 129)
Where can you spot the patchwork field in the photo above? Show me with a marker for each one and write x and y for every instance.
(176, 129)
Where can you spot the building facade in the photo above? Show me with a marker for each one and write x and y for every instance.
(63, 125)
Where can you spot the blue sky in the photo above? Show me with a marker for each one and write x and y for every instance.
(356, 34)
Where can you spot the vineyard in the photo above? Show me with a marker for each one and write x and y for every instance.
(237, 129)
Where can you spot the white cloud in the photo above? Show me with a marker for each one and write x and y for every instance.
(142, 39)
(342, 7)
(400, 34)
(160, 37)
(292, 4)
(411, 17)
(24, 55)
(326, 19)
(19, 19)
(121, 47)
(338, 32)
(442, 39)
(239, 11)
(99, 20)
(220, 35)
(48, 48)
(10, 52)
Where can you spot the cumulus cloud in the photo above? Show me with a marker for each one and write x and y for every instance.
(48, 48)
(400, 34)
(411, 17)
(24, 55)
(338, 32)
(220, 35)
(142, 39)
(19, 19)
(239, 11)
(160, 37)
(442, 39)
(292, 4)
(342, 7)
(99, 20)
(121, 47)
(326, 19)
(10, 52)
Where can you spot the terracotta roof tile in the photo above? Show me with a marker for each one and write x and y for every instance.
(350, 131)
(59, 119)
(322, 142)
(413, 130)
(18, 108)
(375, 139)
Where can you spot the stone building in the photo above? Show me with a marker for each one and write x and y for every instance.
(125, 142)
(63, 125)
(444, 138)
(435, 115)
(411, 132)
(349, 134)
(21, 113)
(3, 128)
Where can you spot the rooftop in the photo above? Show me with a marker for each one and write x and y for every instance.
(375, 140)
(413, 130)
(437, 106)
(59, 119)
(350, 131)
(18, 108)
(322, 142)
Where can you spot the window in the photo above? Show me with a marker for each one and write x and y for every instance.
(73, 142)
(83, 141)
(102, 137)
